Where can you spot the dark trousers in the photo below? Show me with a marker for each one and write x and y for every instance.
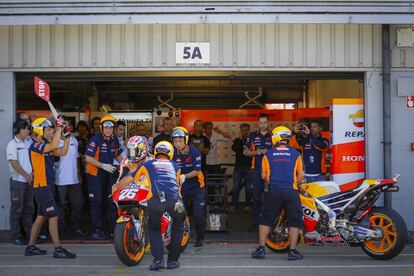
(213, 169)
(100, 206)
(197, 196)
(72, 194)
(155, 211)
(21, 208)
(257, 195)
(241, 177)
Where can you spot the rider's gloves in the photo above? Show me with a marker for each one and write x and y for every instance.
(60, 122)
(179, 206)
(108, 167)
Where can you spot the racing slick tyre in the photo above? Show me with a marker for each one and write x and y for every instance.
(394, 232)
(186, 234)
(128, 248)
(278, 240)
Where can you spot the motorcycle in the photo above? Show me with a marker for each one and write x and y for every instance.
(346, 218)
(130, 235)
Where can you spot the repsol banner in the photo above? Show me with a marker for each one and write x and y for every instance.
(348, 145)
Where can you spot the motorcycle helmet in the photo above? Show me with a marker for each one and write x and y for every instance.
(164, 147)
(281, 133)
(39, 124)
(138, 148)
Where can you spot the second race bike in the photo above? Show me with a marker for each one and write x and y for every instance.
(346, 218)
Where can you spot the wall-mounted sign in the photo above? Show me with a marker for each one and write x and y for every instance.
(410, 102)
(405, 86)
(190, 52)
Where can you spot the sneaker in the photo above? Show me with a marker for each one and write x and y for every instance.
(173, 265)
(62, 253)
(20, 241)
(157, 265)
(79, 233)
(253, 228)
(32, 250)
(98, 235)
(259, 253)
(199, 243)
(294, 255)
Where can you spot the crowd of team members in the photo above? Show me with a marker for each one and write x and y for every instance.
(80, 173)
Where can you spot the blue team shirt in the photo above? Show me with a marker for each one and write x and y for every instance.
(258, 141)
(313, 153)
(105, 151)
(190, 162)
(280, 165)
(163, 176)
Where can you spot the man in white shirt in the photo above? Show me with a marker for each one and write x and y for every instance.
(68, 187)
(213, 164)
(21, 176)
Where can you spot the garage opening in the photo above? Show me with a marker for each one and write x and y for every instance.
(228, 99)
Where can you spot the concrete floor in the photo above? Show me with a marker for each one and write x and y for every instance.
(219, 258)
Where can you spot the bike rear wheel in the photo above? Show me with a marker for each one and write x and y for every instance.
(278, 240)
(394, 234)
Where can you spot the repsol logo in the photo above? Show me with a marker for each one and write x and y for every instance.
(281, 154)
(353, 158)
(308, 212)
(355, 134)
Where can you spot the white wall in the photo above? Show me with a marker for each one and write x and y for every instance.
(7, 113)
(232, 46)
(402, 158)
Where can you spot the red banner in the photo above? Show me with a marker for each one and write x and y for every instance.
(249, 115)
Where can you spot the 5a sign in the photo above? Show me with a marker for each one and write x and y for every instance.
(189, 52)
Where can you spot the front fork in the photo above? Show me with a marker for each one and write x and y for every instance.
(138, 225)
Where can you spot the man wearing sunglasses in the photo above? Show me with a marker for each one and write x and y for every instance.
(103, 148)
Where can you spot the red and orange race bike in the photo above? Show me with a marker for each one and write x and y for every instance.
(130, 239)
(346, 218)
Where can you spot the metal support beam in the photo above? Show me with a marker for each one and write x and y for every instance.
(231, 18)
(386, 98)
(252, 101)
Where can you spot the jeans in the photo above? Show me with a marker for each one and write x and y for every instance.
(241, 177)
(257, 195)
(73, 194)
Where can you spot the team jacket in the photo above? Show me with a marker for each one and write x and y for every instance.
(281, 165)
(258, 141)
(161, 175)
(190, 162)
(104, 151)
(42, 164)
(313, 150)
